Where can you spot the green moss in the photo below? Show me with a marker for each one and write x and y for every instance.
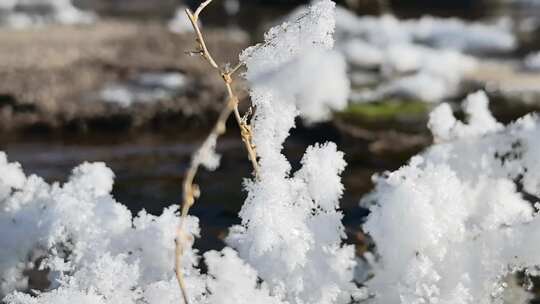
(386, 110)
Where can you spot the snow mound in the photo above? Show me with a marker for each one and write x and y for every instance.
(455, 221)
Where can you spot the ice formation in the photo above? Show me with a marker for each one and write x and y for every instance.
(82, 237)
(289, 247)
(27, 13)
(290, 221)
(307, 73)
(448, 227)
(451, 224)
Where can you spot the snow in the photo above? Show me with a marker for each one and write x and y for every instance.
(451, 226)
(288, 249)
(362, 54)
(320, 81)
(148, 87)
(453, 33)
(286, 223)
(180, 22)
(445, 127)
(239, 289)
(207, 155)
(29, 13)
(425, 58)
(467, 223)
(319, 87)
(442, 33)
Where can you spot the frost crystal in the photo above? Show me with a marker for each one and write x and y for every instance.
(296, 67)
(457, 219)
(87, 242)
(289, 244)
(290, 221)
(445, 126)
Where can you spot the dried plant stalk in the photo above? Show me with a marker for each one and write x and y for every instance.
(191, 190)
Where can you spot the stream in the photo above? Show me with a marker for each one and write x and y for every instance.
(149, 169)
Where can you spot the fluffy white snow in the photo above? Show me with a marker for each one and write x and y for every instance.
(422, 58)
(443, 33)
(289, 245)
(145, 88)
(291, 221)
(448, 227)
(451, 224)
(445, 127)
(296, 64)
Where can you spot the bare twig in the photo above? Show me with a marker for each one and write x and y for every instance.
(191, 190)
(226, 75)
(203, 50)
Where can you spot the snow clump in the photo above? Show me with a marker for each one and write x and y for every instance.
(453, 223)
(289, 246)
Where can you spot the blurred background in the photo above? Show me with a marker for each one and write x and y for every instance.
(109, 80)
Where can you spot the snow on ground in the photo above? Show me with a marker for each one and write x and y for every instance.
(29, 13)
(442, 33)
(424, 58)
(145, 88)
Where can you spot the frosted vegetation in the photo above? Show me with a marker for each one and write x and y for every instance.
(448, 227)
(30, 13)
(96, 252)
(451, 224)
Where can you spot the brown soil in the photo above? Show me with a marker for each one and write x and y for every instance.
(50, 76)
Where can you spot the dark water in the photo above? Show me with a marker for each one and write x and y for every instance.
(149, 169)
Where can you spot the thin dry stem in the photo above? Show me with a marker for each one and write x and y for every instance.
(191, 190)
(194, 18)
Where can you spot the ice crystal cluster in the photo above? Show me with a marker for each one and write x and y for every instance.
(451, 224)
(448, 227)
(288, 248)
(290, 221)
